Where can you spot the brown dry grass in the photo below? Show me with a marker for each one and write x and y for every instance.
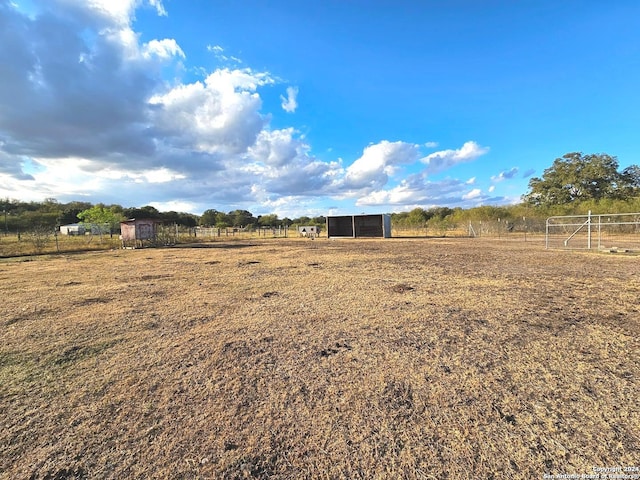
(14, 246)
(432, 359)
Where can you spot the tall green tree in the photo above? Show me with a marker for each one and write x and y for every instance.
(631, 181)
(71, 210)
(270, 220)
(242, 218)
(209, 217)
(101, 216)
(143, 212)
(417, 217)
(579, 177)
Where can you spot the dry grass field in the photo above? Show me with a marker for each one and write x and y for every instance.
(349, 359)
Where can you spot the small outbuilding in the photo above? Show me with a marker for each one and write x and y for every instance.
(353, 226)
(138, 232)
(309, 231)
(72, 229)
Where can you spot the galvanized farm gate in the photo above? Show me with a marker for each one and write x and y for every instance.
(609, 231)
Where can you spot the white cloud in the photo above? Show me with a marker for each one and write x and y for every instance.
(377, 163)
(159, 175)
(174, 206)
(217, 51)
(290, 104)
(157, 4)
(119, 11)
(221, 115)
(286, 167)
(505, 175)
(418, 190)
(106, 13)
(492, 188)
(445, 159)
(277, 148)
(164, 49)
(473, 194)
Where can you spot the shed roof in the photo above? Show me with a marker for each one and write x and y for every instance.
(133, 220)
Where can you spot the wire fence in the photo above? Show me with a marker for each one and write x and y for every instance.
(522, 230)
(604, 232)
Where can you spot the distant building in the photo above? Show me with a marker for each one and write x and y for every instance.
(354, 226)
(309, 231)
(138, 232)
(72, 229)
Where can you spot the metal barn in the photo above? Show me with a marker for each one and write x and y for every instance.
(136, 231)
(354, 226)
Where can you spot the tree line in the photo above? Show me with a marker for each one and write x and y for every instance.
(23, 216)
(574, 184)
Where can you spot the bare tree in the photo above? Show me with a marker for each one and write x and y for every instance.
(39, 236)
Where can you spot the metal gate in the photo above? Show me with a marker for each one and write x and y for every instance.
(610, 231)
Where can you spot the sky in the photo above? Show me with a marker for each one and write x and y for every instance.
(309, 107)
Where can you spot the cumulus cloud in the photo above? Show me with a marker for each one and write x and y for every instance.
(277, 148)
(219, 116)
(505, 175)
(64, 93)
(418, 190)
(377, 163)
(99, 98)
(285, 166)
(445, 159)
(103, 13)
(528, 173)
(289, 103)
(165, 49)
(473, 194)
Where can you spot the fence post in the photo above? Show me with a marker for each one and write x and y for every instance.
(546, 235)
(589, 231)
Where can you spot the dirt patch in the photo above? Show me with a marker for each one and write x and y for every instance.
(154, 277)
(248, 262)
(402, 288)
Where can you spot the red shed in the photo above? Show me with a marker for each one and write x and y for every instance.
(136, 231)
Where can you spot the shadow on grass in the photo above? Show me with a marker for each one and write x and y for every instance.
(214, 245)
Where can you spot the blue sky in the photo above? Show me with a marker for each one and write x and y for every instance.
(309, 108)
